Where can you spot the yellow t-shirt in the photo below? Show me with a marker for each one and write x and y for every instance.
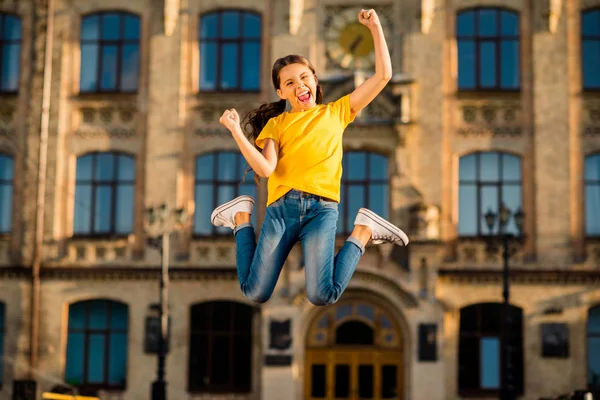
(310, 149)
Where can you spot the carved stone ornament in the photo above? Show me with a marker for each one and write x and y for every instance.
(296, 13)
(106, 121)
(171, 16)
(427, 13)
(554, 14)
(485, 118)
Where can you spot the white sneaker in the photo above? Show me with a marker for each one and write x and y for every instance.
(224, 215)
(381, 230)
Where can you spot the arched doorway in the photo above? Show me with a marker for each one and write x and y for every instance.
(354, 351)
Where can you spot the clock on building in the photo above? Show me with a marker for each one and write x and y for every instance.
(348, 43)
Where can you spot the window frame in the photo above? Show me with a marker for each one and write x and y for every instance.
(101, 43)
(498, 39)
(3, 16)
(239, 41)
(346, 182)
(479, 184)
(113, 184)
(589, 183)
(10, 183)
(235, 308)
(583, 38)
(108, 303)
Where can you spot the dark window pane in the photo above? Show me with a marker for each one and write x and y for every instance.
(126, 168)
(379, 167)
(204, 167)
(342, 381)
(242, 318)
(468, 363)
(229, 65)
(511, 197)
(466, 64)
(354, 332)
(319, 379)
(12, 28)
(208, 26)
(511, 168)
(251, 63)
(230, 24)
(222, 316)
(208, 66)
(103, 209)
(366, 311)
(509, 69)
(226, 167)
(96, 359)
(83, 209)
(489, 201)
(89, 28)
(489, 163)
(109, 68)
(357, 166)
(490, 318)
(389, 382)
(130, 67)
(490, 363)
(221, 355)
(117, 359)
(469, 319)
(10, 67)
(105, 164)
(132, 27)
(365, 381)
(510, 24)
(592, 209)
(378, 199)
(89, 67)
(111, 26)
(487, 64)
(198, 365)
(75, 358)
(465, 24)
(467, 169)
(593, 357)
(242, 367)
(591, 61)
(124, 209)
(6, 168)
(118, 316)
(84, 168)
(467, 210)
(593, 325)
(251, 26)
(488, 23)
(204, 207)
(590, 23)
(97, 315)
(77, 316)
(6, 195)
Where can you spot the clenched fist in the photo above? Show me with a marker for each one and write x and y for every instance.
(230, 119)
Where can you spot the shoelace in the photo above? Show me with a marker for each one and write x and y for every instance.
(389, 238)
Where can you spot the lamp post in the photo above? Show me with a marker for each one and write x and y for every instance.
(508, 391)
(160, 223)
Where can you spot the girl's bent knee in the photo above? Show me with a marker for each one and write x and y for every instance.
(257, 296)
(320, 299)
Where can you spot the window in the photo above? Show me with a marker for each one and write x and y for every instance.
(104, 194)
(590, 48)
(97, 344)
(10, 52)
(230, 51)
(364, 184)
(486, 180)
(110, 52)
(6, 193)
(480, 348)
(488, 49)
(592, 195)
(219, 178)
(593, 348)
(2, 315)
(220, 347)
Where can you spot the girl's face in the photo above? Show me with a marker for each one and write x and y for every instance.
(298, 85)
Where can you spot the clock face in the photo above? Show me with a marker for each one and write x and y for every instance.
(348, 43)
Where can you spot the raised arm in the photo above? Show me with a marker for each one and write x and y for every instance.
(365, 93)
(263, 163)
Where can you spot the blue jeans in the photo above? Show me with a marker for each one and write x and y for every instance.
(303, 217)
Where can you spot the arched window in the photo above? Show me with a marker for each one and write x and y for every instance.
(6, 193)
(2, 324)
(97, 344)
(104, 194)
(10, 52)
(590, 48)
(365, 183)
(230, 51)
(593, 347)
(480, 348)
(486, 180)
(219, 178)
(220, 347)
(110, 52)
(592, 195)
(488, 49)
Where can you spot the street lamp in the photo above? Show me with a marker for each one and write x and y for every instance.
(160, 223)
(508, 391)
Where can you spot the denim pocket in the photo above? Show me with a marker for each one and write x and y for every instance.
(277, 202)
(328, 204)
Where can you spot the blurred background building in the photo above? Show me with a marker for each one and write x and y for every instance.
(488, 135)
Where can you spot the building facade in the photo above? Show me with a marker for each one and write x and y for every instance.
(494, 105)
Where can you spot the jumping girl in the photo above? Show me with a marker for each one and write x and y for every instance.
(302, 157)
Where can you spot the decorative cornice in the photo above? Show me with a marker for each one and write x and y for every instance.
(521, 276)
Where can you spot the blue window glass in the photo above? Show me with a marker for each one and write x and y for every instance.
(6, 193)
(97, 344)
(365, 183)
(219, 178)
(592, 195)
(486, 181)
(110, 52)
(10, 52)
(2, 316)
(490, 362)
(104, 194)
(230, 51)
(593, 347)
(590, 48)
(488, 49)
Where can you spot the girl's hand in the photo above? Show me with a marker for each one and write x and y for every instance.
(369, 18)
(230, 119)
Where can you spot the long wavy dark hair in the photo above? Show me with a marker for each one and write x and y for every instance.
(254, 122)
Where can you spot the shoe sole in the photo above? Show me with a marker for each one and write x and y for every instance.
(387, 225)
(229, 204)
